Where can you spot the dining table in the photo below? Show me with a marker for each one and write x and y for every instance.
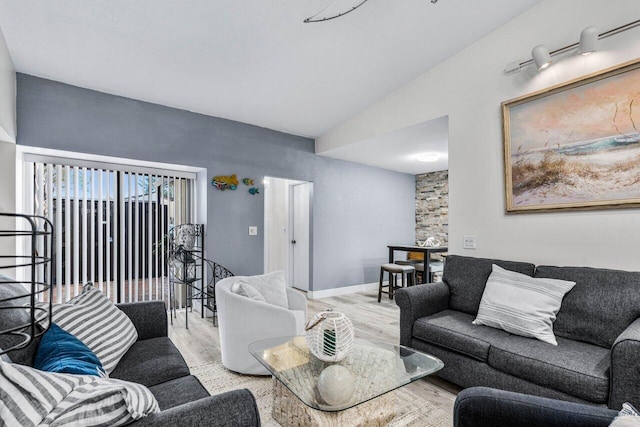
(426, 251)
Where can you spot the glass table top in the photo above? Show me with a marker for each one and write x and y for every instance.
(371, 369)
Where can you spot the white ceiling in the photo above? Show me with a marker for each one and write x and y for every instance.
(398, 150)
(253, 61)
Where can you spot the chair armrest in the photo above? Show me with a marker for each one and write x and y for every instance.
(149, 318)
(625, 376)
(419, 301)
(488, 407)
(234, 408)
(297, 300)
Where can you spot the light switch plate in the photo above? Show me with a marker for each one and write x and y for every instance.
(253, 230)
(469, 242)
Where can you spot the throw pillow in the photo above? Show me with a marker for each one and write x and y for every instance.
(59, 351)
(248, 291)
(271, 286)
(628, 410)
(522, 305)
(31, 397)
(625, 421)
(93, 319)
(627, 417)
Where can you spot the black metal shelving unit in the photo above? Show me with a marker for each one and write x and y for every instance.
(187, 268)
(29, 271)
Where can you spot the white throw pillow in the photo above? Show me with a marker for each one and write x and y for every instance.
(272, 287)
(34, 397)
(93, 319)
(248, 291)
(627, 417)
(522, 305)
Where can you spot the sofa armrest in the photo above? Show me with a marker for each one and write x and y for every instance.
(488, 407)
(149, 318)
(419, 301)
(297, 300)
(625, 370)
(234, 408)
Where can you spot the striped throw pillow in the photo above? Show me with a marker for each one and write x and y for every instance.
(93, 319)
(522, 305)
(29, 397)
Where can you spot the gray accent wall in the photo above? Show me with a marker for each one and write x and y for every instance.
(357, 210)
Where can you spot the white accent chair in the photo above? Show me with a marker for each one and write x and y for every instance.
(242, 320)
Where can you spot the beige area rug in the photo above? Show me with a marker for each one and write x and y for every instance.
(412, 411)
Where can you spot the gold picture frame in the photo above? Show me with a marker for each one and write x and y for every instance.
(575, 145)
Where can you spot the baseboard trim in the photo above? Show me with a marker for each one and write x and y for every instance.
(346, 290)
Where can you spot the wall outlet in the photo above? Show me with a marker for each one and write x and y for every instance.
(253, 230)
(469, 242)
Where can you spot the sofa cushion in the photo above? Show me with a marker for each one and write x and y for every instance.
(189, 387)
(454, 331)
(601, 305)
(573, 367)
(151, 362)
(467, 277)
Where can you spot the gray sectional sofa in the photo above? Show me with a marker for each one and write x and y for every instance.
(155, 362)
(597, 358)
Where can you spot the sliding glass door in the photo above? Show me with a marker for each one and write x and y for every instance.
(111, 224)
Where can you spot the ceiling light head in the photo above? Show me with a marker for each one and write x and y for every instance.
(541, 57)
(428, 157)
(588, 40)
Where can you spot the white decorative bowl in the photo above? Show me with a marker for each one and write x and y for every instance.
(330, 336)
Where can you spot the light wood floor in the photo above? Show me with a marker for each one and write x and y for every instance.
(200, 344)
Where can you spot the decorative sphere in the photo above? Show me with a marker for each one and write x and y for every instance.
(336, 385)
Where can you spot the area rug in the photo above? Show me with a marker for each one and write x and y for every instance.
(412, 410)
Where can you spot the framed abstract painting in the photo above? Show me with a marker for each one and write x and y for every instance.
(575, 145)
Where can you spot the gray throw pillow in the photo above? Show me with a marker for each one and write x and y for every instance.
(522, 305)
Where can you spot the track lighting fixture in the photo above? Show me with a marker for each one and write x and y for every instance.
(339, 8)
(588, 40)
(541, 57)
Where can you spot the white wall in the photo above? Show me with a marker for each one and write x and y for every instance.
(7, 94)
(7, 142)
(469, 88)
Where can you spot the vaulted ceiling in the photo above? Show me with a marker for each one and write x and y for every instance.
(253, 61)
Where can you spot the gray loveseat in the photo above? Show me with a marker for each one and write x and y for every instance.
(155, 362)
(596, 360)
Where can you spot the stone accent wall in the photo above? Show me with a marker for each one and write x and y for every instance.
(432, 206)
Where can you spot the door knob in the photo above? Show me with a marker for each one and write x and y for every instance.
(293, 241)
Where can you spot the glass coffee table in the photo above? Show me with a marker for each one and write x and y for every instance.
(308, 391)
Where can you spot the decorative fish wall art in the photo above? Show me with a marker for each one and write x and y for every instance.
(254, 191)
(225, 182)
(247, 181)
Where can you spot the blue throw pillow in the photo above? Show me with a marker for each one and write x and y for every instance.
(59, 351)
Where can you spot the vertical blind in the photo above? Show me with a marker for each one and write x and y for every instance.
(111, 226)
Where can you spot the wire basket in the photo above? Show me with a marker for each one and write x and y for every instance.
(330, 336)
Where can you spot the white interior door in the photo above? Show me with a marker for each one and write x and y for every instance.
(300, 235)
